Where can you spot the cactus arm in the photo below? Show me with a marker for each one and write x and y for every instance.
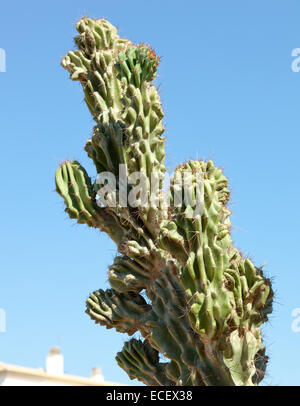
(92, 65)
(228, 296)
(122, 311)
(116, 78)
(127, 275)
(140, 361)
(75, 187)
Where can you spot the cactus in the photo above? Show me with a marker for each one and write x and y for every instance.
(195, 300)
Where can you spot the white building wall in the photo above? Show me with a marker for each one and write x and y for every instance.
(53, 375)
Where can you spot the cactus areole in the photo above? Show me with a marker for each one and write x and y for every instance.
(195, 300)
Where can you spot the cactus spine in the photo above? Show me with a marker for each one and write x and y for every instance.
(178, 281)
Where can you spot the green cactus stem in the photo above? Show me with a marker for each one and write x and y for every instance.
(178, 281)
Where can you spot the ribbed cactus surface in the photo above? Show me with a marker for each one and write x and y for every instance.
(178, 281)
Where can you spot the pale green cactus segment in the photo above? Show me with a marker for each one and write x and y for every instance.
(143, 118)
(97, 34)
(242, 350)
(75, 187)
(126, 275)
(141, 362)
(93, 63)
(122, 311)
(178, 280)
(198, 198)
(106, 147)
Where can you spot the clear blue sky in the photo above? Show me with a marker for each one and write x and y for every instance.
(229, 94)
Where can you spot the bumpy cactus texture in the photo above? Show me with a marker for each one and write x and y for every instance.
(195, 300)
